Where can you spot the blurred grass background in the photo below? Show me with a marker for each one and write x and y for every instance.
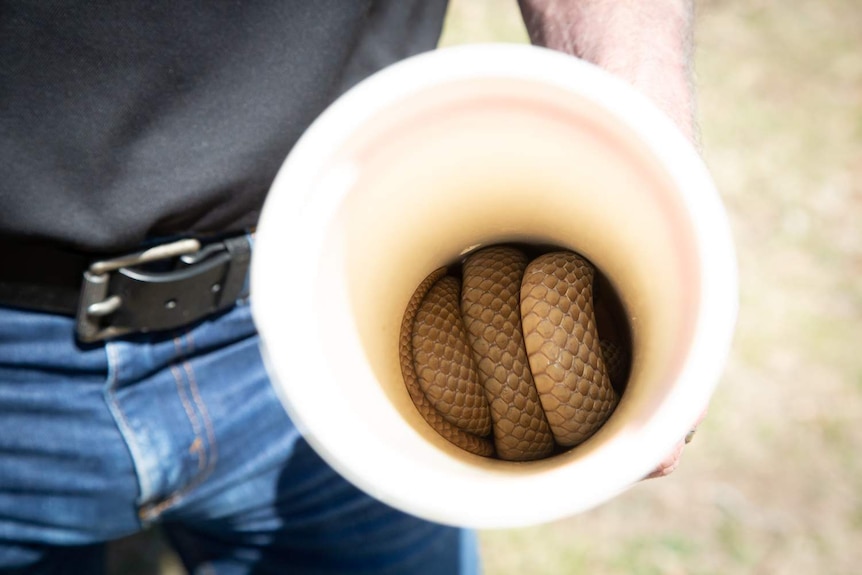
(773, 481)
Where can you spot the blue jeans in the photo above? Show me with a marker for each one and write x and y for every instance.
(182, 429)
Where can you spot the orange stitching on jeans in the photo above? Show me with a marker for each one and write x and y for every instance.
(204, 414)
(154, 510)
(199, 402)
(191, 342)
(191, 415)
(190, 412)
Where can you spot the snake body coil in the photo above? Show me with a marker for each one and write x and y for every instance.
(508, 361)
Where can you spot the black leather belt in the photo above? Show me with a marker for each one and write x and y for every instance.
(163, 287)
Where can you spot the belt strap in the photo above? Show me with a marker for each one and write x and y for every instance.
(40, 277)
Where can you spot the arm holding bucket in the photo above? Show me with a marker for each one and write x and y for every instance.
(649, 44)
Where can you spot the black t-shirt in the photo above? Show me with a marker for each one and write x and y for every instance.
(122, 120)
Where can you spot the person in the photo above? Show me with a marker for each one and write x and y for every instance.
(137, 131)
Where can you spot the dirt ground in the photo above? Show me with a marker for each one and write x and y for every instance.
(773, 482)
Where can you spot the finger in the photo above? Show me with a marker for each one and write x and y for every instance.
(669, 464)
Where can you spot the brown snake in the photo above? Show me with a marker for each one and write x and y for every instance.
(508, 361)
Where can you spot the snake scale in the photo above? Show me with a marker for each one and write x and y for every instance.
(506, 361)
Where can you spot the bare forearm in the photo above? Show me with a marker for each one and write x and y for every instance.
(646, 42)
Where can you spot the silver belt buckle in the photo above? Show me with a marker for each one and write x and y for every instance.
(119, 297)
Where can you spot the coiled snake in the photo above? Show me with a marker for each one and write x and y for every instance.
(507, 362)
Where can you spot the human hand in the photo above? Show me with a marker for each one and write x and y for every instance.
(669, 464)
